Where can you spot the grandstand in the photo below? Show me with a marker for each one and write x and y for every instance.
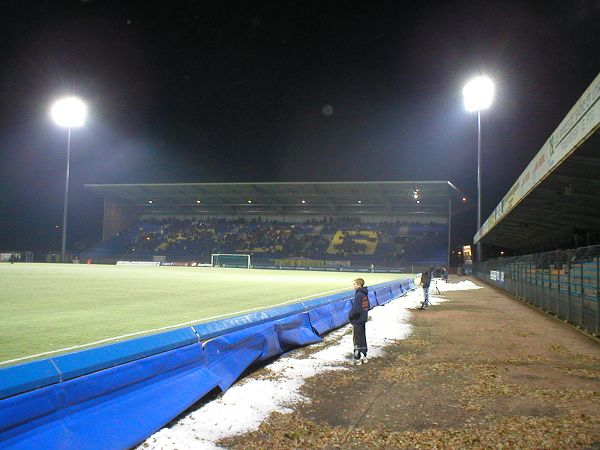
(555, 202)
(353, 225)
(551, 217)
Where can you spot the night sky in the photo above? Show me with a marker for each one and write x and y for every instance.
(276, 91)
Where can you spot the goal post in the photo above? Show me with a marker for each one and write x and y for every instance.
(230, 260)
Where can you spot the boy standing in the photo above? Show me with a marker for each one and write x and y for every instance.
(358, 318)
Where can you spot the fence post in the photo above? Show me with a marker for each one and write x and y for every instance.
(569, 293)
(533, 282)
(519, 280)
(536, 288)
(582, 294)
(547, 307)
(523, 280)
(558, 281)
(597, 293)
(528, 278)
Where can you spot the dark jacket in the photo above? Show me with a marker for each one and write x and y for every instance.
(426, 278)
(360, 306)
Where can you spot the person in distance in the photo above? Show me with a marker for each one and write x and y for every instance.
(425, 282)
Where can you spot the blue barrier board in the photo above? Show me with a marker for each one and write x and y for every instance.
(117, 395)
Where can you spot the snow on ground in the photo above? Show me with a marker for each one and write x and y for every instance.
(460, 286)
(250, 401)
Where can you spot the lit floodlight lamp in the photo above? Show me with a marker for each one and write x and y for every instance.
(69, 112)
(478, 93)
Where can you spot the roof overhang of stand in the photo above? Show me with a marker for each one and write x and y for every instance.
(555, 202)
(565, 203)
(347, 198)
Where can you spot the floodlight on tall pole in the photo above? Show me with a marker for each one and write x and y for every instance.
(478, 95)
(68, 112)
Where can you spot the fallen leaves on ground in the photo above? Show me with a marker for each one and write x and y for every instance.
(285, 431)
(585, 373)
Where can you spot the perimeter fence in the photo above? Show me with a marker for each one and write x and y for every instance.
(563, 282)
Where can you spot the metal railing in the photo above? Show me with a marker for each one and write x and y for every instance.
(564, 282)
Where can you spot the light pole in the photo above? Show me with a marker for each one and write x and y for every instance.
(69, 112)
(478, 94)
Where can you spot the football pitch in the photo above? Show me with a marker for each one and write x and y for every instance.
(49, 309)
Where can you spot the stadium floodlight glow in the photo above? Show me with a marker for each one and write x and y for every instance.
(478, 93)
(68, 112)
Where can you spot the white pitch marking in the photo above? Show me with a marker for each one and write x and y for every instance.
(102, 341)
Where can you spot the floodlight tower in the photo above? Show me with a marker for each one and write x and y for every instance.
(478, 95)
(68, 112)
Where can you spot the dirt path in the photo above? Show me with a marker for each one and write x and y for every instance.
(483, 371)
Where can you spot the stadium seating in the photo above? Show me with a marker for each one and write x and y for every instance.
(347, 240)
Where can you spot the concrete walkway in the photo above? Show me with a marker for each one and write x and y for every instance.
(483, 371)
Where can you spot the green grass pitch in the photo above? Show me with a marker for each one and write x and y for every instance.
(47, 308)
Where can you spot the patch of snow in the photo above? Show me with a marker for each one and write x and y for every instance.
(464, 285)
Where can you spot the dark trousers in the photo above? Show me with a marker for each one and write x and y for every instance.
(360, 339)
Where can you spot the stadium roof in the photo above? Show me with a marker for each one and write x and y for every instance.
(558, 194)
(391, 197)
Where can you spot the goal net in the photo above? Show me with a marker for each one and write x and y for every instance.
(229, 260)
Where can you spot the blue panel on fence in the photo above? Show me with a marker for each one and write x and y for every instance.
(409, 284)
(317, 302)
(329, 317)
(372, 300)
(80, 363)
(384, 295)
(230, 355)
(24, 410)
(209, 330)
(295, 331)
(24, 377)
(115, 408)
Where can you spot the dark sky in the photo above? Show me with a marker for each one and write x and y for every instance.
(225, 92)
